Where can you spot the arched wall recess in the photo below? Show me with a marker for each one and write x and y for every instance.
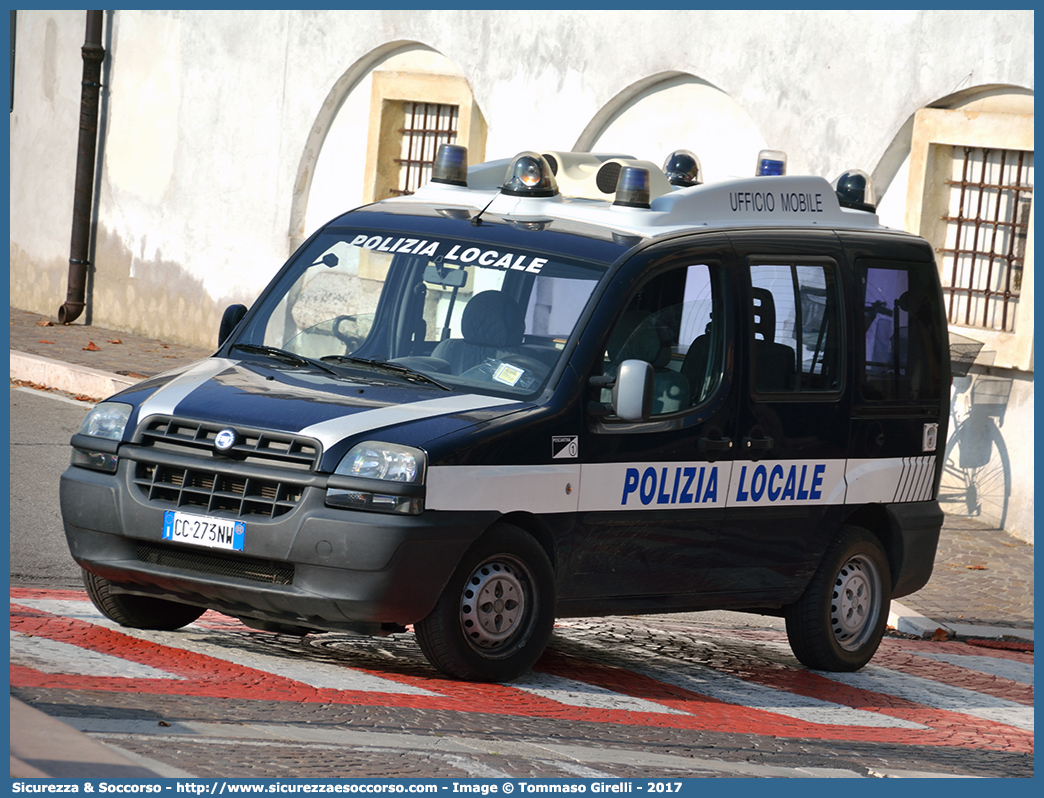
(321, 127)
(330, 181)
(890, 174)
(672, 110)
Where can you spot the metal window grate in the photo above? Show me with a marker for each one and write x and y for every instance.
(986, 228)
(427, 126)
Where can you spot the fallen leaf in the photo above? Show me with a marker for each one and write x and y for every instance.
(91, 347)
(976, 567)
(116, 341)
(45, 324)
(941, 634)
(163, 723)
(46, 342)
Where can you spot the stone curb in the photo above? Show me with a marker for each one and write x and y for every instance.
(67, 377)
(40, 738)
(905, 620)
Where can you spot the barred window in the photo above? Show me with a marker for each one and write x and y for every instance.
(427, 125)
(990, 191)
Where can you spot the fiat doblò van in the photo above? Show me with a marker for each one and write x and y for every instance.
(558, 385)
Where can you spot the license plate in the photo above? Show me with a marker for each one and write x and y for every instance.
(203, 530)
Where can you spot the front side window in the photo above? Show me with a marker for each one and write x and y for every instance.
(795, 327)
(675, 322)
(474, 315)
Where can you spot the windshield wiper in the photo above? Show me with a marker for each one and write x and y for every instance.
(283, 356)
(397, 368)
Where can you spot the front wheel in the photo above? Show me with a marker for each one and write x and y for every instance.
(839, 621)
(495, 616)
(138, 612)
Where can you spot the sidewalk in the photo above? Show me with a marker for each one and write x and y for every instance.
(86, 360)
(35, 750)
(981, 587)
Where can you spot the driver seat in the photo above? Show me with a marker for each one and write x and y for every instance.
(492, 326)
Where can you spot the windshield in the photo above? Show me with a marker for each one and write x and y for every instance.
(471, 315)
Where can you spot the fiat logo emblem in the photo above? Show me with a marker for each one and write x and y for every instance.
(225, 440)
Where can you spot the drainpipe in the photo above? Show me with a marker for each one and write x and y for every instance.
(93, 55)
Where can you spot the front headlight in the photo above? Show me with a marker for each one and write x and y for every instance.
(106, 424)
(372, 462)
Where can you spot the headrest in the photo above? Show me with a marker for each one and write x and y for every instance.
(492, 318)
(634, 340)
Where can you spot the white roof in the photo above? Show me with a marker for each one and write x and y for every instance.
(783, 201)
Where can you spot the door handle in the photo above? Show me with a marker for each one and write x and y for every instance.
(719, 445)
(758, 444)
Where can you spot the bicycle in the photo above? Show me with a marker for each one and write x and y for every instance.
(976, 479)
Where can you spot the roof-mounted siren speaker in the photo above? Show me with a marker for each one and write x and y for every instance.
(529, 175)
(683, 169)
(572, 167)
(451, 165)
(855, 190)
(771, 163)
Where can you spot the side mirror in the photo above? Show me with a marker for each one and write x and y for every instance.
(633, 391)
(229, 320)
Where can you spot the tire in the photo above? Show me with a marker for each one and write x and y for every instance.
(496, 613)
(138, 612)
(839, 621)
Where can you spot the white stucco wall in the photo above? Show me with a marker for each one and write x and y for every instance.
(209, 115)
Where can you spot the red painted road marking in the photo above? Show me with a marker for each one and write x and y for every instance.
(211, 676)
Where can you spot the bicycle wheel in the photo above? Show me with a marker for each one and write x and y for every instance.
(976, 479)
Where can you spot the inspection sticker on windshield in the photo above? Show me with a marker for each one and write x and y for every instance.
(203, 530)
(508, 374)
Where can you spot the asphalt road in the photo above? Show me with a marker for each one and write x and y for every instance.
(41, 425)
(664, 697)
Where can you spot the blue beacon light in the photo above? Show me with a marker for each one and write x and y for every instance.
(632, 187)
(771, 163)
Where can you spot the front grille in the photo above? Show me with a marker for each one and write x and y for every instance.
(212, 491)
(214, 482)
(268, 571)
(166, 433)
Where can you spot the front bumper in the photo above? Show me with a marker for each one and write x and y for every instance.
(315, 567)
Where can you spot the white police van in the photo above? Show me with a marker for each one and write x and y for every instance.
(559, 385)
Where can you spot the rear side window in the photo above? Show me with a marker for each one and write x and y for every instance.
(903, 335)
(795, 322)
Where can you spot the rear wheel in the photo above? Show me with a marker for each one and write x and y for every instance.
(494, 617)
(138, 612)
(839, 621)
